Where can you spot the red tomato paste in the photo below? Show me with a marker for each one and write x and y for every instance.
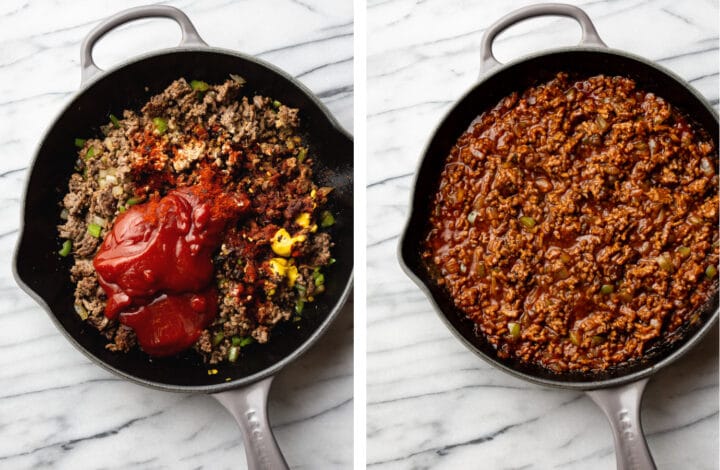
(156, 265)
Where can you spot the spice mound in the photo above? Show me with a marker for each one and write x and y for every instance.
(576, 224)
(196, 223)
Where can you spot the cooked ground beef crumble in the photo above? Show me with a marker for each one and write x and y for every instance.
(576, 224)
(253, 144)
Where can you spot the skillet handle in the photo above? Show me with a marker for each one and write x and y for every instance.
(622, 408)
(249, 407)
(190, 36)
(590, 35)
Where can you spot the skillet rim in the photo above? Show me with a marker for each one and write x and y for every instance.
(210, 388)
(418, 278)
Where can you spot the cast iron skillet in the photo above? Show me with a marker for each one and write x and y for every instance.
(618, 392)
(45, 276)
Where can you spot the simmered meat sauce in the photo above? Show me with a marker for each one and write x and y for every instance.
(576, 223)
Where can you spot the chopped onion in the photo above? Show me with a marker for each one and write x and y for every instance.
(561, 274)
(237, 78)
(694, 219)
(80, 310)
(107, 176)
(543, 184)
(640, 145)
(575, 338)
(664, 262)
(652, 145)
(601, 122)
(706, 166)
(99, 220)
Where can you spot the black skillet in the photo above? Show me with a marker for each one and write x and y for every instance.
(241, 388)
(618, 392)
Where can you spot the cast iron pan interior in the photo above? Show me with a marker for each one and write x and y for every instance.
(485, 95)
(39, 267)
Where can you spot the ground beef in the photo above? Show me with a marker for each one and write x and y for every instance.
(252, 143)
(576, 224)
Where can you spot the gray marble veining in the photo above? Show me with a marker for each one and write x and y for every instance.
(57, 409)
(431, 403)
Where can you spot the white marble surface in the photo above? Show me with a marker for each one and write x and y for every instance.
(432, 403)
(58, 410)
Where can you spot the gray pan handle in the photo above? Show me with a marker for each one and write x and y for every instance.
(249, 407)
(590, 35)
(190, 36)
(622, 408)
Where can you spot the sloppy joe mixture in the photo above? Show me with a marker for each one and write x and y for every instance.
(576, 224)
(196, 223)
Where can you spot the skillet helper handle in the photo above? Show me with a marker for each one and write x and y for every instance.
(249, 407)
(622, 408)
(190, 36)
(590, 35)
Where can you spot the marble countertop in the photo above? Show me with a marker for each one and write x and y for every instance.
(57, 409)
(431, 402)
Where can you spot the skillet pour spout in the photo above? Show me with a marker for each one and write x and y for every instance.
(243, 387)
(619, 391)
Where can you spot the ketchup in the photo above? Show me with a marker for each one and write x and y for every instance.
(156, 265)
(171, 323)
